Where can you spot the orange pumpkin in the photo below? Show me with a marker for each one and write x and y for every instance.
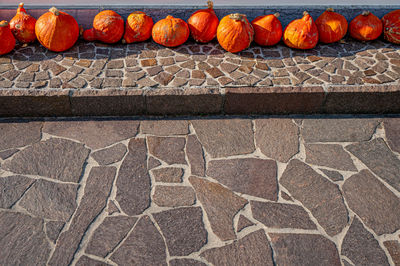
(23, 25)
(108, 27)
(301, 33)
(366, 27)
(235, 33)
(138, 27)
(57, 30)
(267, 29)
(203, 24)
(170, 32)
(332, 26)
(7, 38)
(391, 26)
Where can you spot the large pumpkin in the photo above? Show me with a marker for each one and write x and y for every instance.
(366, 27)
(267, 29)
(301, 33)
(235, 33)
(23, 25)
(391, 26)
(203, 24)
(332, 26)
(7, 38)
(108, 27)
(56, 30)
(170, 32)
(138, 27)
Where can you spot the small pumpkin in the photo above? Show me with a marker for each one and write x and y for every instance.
(203, 24)
(138, 27)
(366, 27)
(22, 25)
(108, 27)
(391, 26)
(7, 43)
(332, 26)
(301, 33)
(267, 29)
(170, 32)
(57, 30)
(235, 33)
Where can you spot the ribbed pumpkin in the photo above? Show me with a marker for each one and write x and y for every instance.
(391, 26)
(332, 26)
(267, 29)
(138, 27)
(108, 27)
(57, 30)
(23, 25)
(7, 38)
(235, 33)
(366, 27)
(170, 32)
(203, 24)
(301, 33)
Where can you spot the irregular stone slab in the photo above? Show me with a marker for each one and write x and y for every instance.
(95, 134)
(253, 249)
(168, 149)
(277, 138)
(392, 130)
(168, 174)
(194, 152)
(54, 158)
(333, 175)
(22, 240)
(377, 156)
(112, 207)
(85, 261)
(53, 229)
(183, 230)
(317, 194)
(164, 127)
(8, 153)
(49, 200)
(97, 190)
(186, 262)
(143, 246)
(133, 183)
(329, 155)
(375, 204)
(394, 250)
(361, 247)
(174, 196)
(280, 215)
(338, 130)
(252, 176)
(109, 233)
(225, 137)
(19, 134)
(110, 155)
(243, 223)
(304, 249)
(12, 188)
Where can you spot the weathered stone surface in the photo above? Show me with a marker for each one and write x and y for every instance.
(333, 175)
(19, 134)
(12, 188)
(53, 229)
(168, 174)
(168, 149)
(194, 152)
(330, 155)
(277, 138)
(225, 137)
(394, 250)
(317, 194)
(361, 247)
(252, 176)
(164, 127)
(243, 223)
(186, 262)
(110, 155)
(173, 196)
(220, 204)
(54, 158)
(375, 204)
(85, 261)
(253, 249)
(112, 207)
(152, 163)
(304, 249)
(392, 130)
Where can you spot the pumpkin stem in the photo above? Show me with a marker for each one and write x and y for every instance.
(237, 16)
(365, 13)
(305, 13)
(3, 23)
(330, 9)
(54, 10)
(21, 8)
(123, 41)
(210, 4)
(169, 17)
(277, 15)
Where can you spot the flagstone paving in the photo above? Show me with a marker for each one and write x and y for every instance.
(200, 191)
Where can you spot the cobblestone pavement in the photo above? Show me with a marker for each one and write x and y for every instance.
(215, 191)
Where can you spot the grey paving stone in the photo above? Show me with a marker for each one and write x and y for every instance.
(194, 152)
(12, 188)
(329, 155)
(152, 163)
(168, 174)
(392, 130)
(19, 134)
(186, 262)
(333, 175)
(394, 250)
(8, 153)
(85, 260)
(53, 229)
(243, 222)
(168, 149)
(173, 196)
(110, 155)
(164, 127)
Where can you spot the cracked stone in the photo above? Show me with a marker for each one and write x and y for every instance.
(12, 188)
(168, 174)
(394, 250)
(173, 196)
(112, 208)
(164, 127)
(329, 155)
(8, 153)
(168, 149)
(152, 163)
(243, 223)
(53, 229)
(110, 155)
(392, 130)
(333, 175)
(19, 134)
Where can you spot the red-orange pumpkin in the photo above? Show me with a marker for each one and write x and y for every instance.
(7, 38)
(235, 33)
(23, 25)
(391, 26)
(108, 27)
(170, 32)
(267, 29)
(57, 30)
(301, 33)
(366, 27)
(332, 26)
(203, 24)
(138, 27)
